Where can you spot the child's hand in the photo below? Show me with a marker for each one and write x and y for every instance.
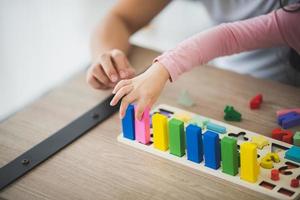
(108, 68)
(144, 89)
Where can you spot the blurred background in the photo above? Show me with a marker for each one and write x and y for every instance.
(44, 42)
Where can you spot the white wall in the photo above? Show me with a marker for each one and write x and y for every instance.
(44, 42)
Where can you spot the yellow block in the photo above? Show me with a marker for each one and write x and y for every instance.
(249, 165)
(160, 132)
(260, 141)
(267, 161)
(185, 117)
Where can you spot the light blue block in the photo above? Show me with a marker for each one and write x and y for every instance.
(215, 127)
(293, 154)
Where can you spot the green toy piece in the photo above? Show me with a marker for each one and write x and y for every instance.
(176, 137)
(229, 154)
(185, 99)
(231, 114)
(296, 138)
(199, 121)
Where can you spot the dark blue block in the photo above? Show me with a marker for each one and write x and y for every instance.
(289, 120)
(194, 144)
(128, 123)
(212, 149)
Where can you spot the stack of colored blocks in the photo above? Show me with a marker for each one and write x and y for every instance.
(170, 134)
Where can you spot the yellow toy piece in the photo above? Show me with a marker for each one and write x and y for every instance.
(268, 160)
(185, 117)
(249, 166)
(160, 132)
(260, 141)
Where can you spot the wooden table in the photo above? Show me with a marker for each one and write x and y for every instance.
(98, 167)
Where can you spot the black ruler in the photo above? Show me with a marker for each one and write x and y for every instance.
(54, 143)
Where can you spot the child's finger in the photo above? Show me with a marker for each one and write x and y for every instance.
(121, 84)
(140, 107)
(125, 102)
(122, 92)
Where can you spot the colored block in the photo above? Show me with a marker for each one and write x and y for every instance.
(256, 101)
(282, 135)
(185, 99)
(211, 149)
(293, 154)
(289, 120)
(185, 117)
(215, 127)
(176, 137)
(165, 112)
(142, 128)
(275, 174)
(201, 122)
(294, 183)
(268, 160)
(285, 111)
(231, 114)
(128, 123)
(229, 155)
(296, 138)
(249, 165)
(194, 145)
(260, 141)
(160, 132)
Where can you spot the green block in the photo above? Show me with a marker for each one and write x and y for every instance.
(176, 137)
(296, 138)
(229, 155)
(198, 121)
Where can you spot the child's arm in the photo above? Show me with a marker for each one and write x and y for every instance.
(274, 29)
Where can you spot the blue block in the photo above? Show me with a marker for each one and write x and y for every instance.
(289, 120)
(293, 154)
(212, 149)
(128, 123)
(215, 127)
(194, 144)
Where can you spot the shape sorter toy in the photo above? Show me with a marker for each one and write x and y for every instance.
(236, 155)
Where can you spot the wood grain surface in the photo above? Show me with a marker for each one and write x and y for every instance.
(98, 167)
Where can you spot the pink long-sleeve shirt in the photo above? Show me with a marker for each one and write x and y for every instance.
(275, 29)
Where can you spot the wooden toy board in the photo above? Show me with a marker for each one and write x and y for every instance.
(280, 189)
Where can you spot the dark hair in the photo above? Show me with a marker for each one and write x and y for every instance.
(296, 9)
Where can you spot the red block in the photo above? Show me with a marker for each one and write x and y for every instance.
(256, 101)
(275, 174)
(283, 135)
(295, 183)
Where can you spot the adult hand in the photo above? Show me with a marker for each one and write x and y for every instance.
(108, 68)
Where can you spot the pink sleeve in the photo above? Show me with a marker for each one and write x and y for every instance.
(275, 29)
